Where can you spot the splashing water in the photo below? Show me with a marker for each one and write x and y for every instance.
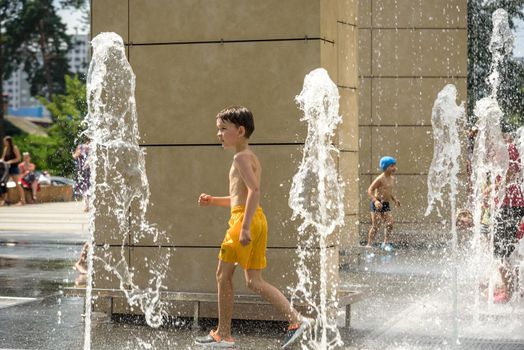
(446, 118)
(120, 190)
(490, 156)
(316, 197)
(500, 46)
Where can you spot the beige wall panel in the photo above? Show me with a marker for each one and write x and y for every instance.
(109, 16)
(328, 19)
(411, 146)
(423, 52)
(194, 269)
(364, 52)
(349, 236)
(328, 60)
(347, 55)
(424, 13)
(409, 101)
(348, 130)
(109, 227)
(347, 11)
(364, 155)
(180, 21)
(364, 101)
(364, 182)
(105, 261)
(348, 168)
(412, 192)
(190, 171)
(364, 13)
(179, 84)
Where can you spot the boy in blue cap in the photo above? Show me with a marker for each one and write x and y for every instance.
(381, 194)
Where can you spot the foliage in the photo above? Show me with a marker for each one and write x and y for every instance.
(33, 35)
(9, 11)
(480, 26)
(42, 150)
(54, 152)
(41, 44)
(68, 111)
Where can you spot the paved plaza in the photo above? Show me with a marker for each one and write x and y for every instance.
(407, 303)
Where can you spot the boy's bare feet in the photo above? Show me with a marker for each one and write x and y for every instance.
(20, 203)
(295, 332)
(213, 340)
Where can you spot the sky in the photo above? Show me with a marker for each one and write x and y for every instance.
(72, 20)
(519, 39)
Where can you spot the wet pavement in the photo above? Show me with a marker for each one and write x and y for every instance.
(408, 305)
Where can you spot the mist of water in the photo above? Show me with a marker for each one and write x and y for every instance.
(316, 198)
(120, 190)
(490, 157)
(446, 119)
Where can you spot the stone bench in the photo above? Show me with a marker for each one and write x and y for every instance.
(345, 299)
(47, 193)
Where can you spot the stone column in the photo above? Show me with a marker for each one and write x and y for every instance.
(191, 59)
(409, 50)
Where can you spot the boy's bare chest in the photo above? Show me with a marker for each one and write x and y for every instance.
(387, 184)
(236, 185)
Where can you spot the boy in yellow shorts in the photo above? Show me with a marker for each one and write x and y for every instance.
(245, 240)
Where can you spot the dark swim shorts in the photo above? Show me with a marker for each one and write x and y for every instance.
(14, 170)
(385, 207)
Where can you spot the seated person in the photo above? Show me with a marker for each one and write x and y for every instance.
(27, 177)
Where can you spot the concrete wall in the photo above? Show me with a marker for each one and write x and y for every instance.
(194, 57)
(408, 51)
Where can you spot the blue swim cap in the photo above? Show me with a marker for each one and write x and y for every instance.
(386, 161)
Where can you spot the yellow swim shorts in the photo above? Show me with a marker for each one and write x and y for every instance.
(253, 255)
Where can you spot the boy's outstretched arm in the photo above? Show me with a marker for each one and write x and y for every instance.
(371, 193)
(205, 200)
(243, 163)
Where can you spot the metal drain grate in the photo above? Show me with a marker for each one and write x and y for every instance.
(491, 344)
(440, 343)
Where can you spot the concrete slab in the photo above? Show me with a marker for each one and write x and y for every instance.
(64, 222)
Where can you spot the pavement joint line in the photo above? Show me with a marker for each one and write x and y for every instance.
(17, 301)
(54, 242)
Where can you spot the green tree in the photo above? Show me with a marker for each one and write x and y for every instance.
(68, 111)
(480, 27)
(42, 44)
(9, 10)
(33, 35)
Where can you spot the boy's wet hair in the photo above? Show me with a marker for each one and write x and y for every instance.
(240, 116)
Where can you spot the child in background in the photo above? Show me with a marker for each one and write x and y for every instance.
(381, 194)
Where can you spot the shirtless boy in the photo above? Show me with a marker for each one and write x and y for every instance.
(381, 194)
(245, 241)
